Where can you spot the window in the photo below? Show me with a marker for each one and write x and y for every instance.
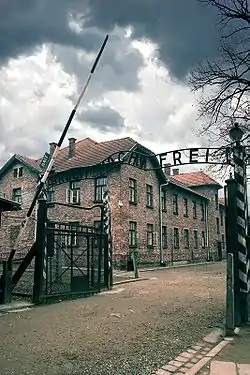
(186, 238)
(195, 239)
(149, 189)
(194, 210)
(185, 202)
(164, 237)
(17, 195)
(100, 188)
(150, 235)
(132, 191)
(176, 238)
(202, 212)
(72, 238)
(18, 172)
(175, 204)
(203, 239)
(73, 193)
(163, 200)
(50, 195)
(216, 201)
(132, 233)
(218, 225)
(221, 217)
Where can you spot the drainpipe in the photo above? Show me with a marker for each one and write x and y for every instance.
(160, 207)
(207, 232)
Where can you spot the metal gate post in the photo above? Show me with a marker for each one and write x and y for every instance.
(107, 230)
(40, 249)
(240, 178)
(231, 243)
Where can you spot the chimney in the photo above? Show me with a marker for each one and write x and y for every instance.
(72, 142)
(52, 147)
(175, 171)
(167, 169)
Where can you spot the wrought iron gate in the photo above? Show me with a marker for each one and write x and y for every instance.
(75, 260)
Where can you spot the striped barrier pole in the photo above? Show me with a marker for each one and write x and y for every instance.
(241, 204)
(107, 230)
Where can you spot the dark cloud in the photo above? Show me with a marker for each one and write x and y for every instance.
(103, 118)
(118, 69)
(184, 30)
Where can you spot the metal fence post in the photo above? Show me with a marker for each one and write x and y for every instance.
(230, 319)
(40, 249)
(5, 296)
(231, 242)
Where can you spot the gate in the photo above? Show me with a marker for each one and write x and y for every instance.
(75, 260)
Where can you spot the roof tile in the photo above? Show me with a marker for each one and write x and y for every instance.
(195, 179)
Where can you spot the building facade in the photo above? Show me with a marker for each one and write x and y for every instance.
(163, 218)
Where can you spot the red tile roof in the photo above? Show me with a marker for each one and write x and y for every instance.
(89, 152)
(195, 179)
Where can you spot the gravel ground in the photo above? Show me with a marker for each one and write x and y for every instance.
(131, 331)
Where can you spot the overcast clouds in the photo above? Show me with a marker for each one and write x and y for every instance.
(139, 89)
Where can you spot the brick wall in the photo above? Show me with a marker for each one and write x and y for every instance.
(182, 222)
(214, 236)
(11, 221)
(122, 213)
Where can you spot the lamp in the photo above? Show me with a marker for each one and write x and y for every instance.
(236, 133)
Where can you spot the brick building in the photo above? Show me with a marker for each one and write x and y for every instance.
(164, 218)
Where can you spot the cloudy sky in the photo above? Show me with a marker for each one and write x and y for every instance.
(139, 89)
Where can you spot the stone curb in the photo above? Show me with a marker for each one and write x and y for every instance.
(167, 268)
(15, 307)
(179, 266)
(196, 356)
(130, 281)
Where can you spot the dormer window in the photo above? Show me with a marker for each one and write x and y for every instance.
(18, 172)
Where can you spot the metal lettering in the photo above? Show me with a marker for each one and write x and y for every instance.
(177, 157)
(194, 153)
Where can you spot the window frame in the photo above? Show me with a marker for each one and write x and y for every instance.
(132, 191)
(98, 198)
(185, 209)
(17, 172)
(202, 211)
(186, 238)
(164, 233)
(132, 234)
(149, 196)
(73, 193)
(150, 235)
(175, 204)
(176, 236)
(203, 239)
(14, 196)
(196, 239)
(194, 209)
(163, 200)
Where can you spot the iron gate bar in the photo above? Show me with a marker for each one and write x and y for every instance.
(91, 248)
(70, 259)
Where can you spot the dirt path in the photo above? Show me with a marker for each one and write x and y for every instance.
(131, 331)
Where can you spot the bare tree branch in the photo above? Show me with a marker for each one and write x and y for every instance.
(224, 84)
